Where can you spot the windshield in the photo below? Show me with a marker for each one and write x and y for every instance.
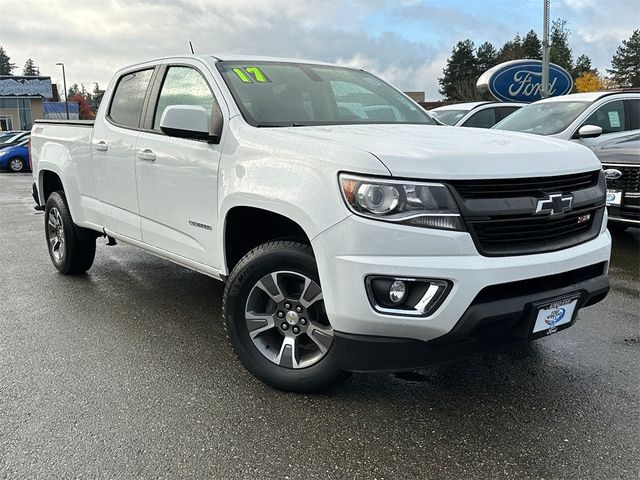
(276, 94)
(450, 117)
(5, 137)
(543, 118)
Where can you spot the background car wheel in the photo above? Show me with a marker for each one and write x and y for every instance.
(71, 248)
(16, 164)
(276, 321)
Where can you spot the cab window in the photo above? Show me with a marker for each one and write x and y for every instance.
(128, 98)
(610, 117)
(183, 86)
(483, 119)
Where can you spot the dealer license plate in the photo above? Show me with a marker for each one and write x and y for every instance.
(614, 197)
(552, 315)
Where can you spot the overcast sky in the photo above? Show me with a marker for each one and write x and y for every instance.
(406, 42)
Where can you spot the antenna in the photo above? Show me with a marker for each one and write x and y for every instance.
(191, 47)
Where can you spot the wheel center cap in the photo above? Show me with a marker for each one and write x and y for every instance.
(291, 317)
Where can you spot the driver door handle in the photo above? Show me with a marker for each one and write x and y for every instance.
(101, 146)
(147, 155)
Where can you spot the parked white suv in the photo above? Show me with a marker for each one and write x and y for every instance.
(475, 114)
(606, 122)
(353, 234)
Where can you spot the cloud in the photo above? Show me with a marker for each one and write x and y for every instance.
(405, 41)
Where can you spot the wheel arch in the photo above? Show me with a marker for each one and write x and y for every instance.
(246, 227)
(49, 181)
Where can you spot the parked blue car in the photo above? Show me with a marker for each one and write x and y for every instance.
(15, 158)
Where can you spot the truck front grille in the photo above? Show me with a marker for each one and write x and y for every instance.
(525, 187)
(628, 182)
(500, 214)
(499, 236)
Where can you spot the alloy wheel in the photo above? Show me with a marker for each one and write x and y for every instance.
(287, 321)
(55, 230)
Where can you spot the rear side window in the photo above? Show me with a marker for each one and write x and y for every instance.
(128, 99)
(504, 112)
(610, 117)
(183, 86)
(483, 119)
(633, 113)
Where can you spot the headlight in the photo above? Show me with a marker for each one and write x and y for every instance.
(421, 204)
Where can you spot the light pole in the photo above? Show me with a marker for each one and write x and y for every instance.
(544, 91)
(64, 83)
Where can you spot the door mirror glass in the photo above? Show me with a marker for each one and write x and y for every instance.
(186, 121)
(589, 131)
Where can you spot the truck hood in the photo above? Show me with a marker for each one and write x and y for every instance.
(439, 152)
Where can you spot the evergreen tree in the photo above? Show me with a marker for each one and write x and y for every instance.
(74, 90)
(531, 46)
(625, 64)
(459, 78)
(486, 57)
(582, 66)
(6, 67)
(30, 69)
(560, 52)
(511, 50)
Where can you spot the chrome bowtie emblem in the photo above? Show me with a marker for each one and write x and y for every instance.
(555, 204)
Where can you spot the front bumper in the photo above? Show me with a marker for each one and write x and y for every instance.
(629, 215)
(492, 321)
(355, 248)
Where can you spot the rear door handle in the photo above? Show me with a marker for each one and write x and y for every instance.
(147, 155)
(101, 146)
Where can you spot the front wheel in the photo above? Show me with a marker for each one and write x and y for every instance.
(276, 321)
(72, 249)
(16, 164)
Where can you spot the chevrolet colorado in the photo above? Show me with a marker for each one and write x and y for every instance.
(351, 231)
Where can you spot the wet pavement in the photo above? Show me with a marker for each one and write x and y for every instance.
(126, 373)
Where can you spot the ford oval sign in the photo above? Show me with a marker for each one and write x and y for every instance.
(521, 81)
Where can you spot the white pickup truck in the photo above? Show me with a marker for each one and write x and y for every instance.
(352, 232)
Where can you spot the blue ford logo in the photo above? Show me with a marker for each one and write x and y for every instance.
(521, 81)
(612, 174)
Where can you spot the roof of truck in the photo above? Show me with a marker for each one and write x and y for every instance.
(230, 57)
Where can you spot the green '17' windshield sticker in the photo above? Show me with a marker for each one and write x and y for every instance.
(249, 74)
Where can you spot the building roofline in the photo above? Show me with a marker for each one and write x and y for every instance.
(24, 77)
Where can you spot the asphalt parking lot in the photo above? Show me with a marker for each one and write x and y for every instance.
(126, 373)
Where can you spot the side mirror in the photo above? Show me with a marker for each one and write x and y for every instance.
(188, 121)
(589, 131)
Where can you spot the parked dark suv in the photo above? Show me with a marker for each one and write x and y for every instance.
(620, 159)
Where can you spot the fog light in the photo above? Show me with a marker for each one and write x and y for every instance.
(397, 292)
(417, 297)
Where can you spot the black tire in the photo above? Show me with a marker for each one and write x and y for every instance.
(19, 164)
(270, 257)
(77, 250)
(615, 227)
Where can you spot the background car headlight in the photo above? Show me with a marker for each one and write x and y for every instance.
(422, 204)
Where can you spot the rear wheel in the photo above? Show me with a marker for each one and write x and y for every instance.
(276, 321)
(72, 249)
(16, 164)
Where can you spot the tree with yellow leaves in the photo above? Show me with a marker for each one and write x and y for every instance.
(589, 82)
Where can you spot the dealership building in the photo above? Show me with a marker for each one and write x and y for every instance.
(21, 100)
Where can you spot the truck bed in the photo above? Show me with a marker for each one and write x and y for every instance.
(82, 123)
